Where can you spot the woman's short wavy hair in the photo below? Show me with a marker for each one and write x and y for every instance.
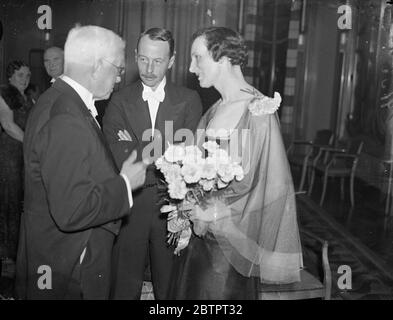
(14, 66)
(224, 42)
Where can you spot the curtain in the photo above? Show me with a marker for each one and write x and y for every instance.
(181, 17)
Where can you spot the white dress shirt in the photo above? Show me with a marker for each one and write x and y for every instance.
(87, 98)
(154, 98)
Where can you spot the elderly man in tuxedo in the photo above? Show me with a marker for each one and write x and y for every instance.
(54, 62)
(74, 194)
(137, 117)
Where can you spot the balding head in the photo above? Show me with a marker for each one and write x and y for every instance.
(94, 56)
(54, 61)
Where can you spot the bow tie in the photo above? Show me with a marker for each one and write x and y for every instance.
(158, 95)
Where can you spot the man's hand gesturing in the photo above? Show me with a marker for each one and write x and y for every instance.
(135, 171)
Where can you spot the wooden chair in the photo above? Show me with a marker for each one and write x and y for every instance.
(302, 153)
(310, 287)
(340, 163)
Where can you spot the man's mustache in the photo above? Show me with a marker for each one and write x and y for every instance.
(149, 76)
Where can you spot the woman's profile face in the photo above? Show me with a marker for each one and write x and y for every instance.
(202, 63)
(21, 78)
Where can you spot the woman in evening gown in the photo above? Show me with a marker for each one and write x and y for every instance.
(254, 236)
(13, 115)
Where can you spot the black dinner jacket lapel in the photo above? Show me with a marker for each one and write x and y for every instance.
(137, 112)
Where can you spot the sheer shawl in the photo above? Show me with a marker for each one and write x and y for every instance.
(260, 235)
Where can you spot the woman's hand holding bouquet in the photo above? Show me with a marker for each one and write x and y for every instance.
(192, 183)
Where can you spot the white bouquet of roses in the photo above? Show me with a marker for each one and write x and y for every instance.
(190, 178)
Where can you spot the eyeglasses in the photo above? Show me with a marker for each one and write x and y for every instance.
(120, 70)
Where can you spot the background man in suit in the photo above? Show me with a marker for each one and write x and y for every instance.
(145, 107)
(54, 62)
(74, 194)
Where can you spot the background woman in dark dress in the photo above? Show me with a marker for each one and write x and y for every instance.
(251, 234)
(14, 107)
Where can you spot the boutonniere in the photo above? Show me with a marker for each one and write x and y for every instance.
(261, 104)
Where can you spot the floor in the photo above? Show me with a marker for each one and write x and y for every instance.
(367, 276)
(361, 237)
(366, 221)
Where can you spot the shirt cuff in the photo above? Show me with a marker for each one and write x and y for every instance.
(129, 190)
(82, 256)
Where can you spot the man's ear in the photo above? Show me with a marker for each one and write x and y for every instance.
(172, 60)
(96, 68)
(136, 55)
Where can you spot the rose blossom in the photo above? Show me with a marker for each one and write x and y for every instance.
(172, 173)
(174, 153)
(221, 184)
(209, 170)
(265, 105)
(191, 173)
(207, 185)
(177, 189)
(193, 155)
(162, 164)
(225, 171)
(238, 171)
(211, 146)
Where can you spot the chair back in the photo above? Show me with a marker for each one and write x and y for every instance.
(353, 147)
(316, 280)
(323, 137)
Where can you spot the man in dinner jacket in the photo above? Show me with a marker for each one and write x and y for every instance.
(135, 115)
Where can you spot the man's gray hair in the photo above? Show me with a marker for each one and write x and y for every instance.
(87, 44)
(54, 49)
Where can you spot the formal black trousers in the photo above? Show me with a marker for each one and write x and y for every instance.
(142, 238)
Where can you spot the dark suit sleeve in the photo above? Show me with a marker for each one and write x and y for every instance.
(194, 113)
(76, 200)
(113, 121)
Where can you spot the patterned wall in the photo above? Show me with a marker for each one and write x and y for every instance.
(288, 106)
(252, 31)
(257, 29)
